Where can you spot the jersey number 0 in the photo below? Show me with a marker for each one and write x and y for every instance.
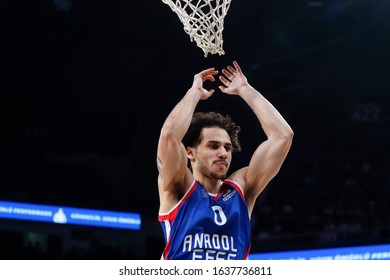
(219, 217)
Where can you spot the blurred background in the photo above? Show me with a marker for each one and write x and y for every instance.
(86, 85)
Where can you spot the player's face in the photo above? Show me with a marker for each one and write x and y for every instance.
(214, 153)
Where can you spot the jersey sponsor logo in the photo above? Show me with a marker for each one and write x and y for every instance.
(228, 194)
(206, 246)
(204, 194)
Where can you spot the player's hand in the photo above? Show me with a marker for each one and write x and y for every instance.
(200, 78)
(233, 79)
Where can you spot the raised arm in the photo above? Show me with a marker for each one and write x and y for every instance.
(174, 176)
(270, 154)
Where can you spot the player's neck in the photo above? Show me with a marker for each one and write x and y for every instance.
(211, 185)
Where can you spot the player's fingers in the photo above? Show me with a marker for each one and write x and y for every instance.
(209, 71)
(223, 89)
(210, 78)
(238, 69)
(227, 74)
(232, 70)
(224, 81)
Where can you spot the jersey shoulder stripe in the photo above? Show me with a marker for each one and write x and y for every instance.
(171, 214)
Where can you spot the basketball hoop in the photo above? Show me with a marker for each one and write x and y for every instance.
(203, 21)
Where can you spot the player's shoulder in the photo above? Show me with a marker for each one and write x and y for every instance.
(238, 176)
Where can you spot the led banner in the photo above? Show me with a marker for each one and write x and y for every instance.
(68, 215)
(372, 252)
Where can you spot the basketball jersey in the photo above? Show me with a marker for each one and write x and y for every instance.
(208, 227)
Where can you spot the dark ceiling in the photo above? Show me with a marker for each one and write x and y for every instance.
(115, 47)
(86, 84)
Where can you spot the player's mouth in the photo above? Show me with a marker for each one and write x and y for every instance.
(221, 163)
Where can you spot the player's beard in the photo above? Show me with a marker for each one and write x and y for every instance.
(205, 169)
(217, 175)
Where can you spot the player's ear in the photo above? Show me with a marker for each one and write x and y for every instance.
(190, 153)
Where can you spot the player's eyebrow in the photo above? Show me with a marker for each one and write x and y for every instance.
(219, 142)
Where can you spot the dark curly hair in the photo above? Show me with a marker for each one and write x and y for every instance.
(201, 120)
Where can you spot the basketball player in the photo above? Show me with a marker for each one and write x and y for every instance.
(205, 215)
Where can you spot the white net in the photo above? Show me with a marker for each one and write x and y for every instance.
(203, 21)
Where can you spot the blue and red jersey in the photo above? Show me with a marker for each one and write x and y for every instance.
(208, 226)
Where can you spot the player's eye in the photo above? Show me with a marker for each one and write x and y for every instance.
(215, 146)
